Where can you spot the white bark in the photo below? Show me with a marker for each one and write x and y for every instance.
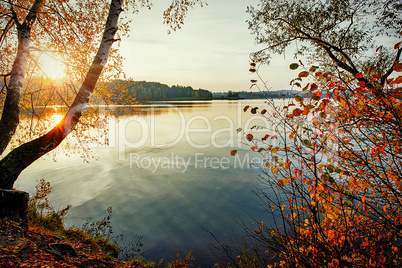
(21, 157)
(11, 109)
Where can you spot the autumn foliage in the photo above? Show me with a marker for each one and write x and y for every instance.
(333, 173)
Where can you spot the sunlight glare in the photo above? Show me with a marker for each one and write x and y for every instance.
(56, 118)
(53, 68)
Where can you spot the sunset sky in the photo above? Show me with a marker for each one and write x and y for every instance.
(211, 51)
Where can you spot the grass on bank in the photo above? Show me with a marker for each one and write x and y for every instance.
(97, 235)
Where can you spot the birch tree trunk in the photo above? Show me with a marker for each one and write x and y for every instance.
(21, 157)
(11, 109)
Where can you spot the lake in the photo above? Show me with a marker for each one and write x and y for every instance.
(167, 172)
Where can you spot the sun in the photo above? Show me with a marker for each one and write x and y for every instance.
(52, 67)
(56, 118)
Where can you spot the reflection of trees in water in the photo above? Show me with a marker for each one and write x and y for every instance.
(93, 127)
(157, 108)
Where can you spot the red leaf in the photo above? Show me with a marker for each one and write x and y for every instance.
(265, 137)
(375, 76)
(378, 48)
(397, 45)
(389, 80)
(361, 84)
(359, 75)
(313, 87)
(249, 137)
(318, 93)
(274, 137)
(233, 152)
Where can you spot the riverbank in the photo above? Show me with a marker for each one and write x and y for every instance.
(41, 240)
(38, 247)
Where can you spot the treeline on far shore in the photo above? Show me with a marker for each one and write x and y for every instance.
(143, 91)
(47, 92)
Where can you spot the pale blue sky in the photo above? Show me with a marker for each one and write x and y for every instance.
(211, 51)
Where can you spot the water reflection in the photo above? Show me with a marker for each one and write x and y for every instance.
(166, 170)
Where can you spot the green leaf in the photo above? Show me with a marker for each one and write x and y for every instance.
(299, 99)
(330, 168)
(305, 88)
(294, 66)
(307, 143)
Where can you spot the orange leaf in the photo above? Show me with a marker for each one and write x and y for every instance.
(249, 137)
(275, 170)
(274, 150)
(233, 152)
(265, 137)
(398, 80)
(397, 67)
(292, 135)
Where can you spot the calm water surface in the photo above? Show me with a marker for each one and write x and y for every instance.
(166, 171)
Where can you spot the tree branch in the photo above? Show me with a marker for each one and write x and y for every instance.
(21, 157)
(390, 70)
(11, 109)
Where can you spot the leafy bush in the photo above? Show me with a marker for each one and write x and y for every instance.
(41, 213)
